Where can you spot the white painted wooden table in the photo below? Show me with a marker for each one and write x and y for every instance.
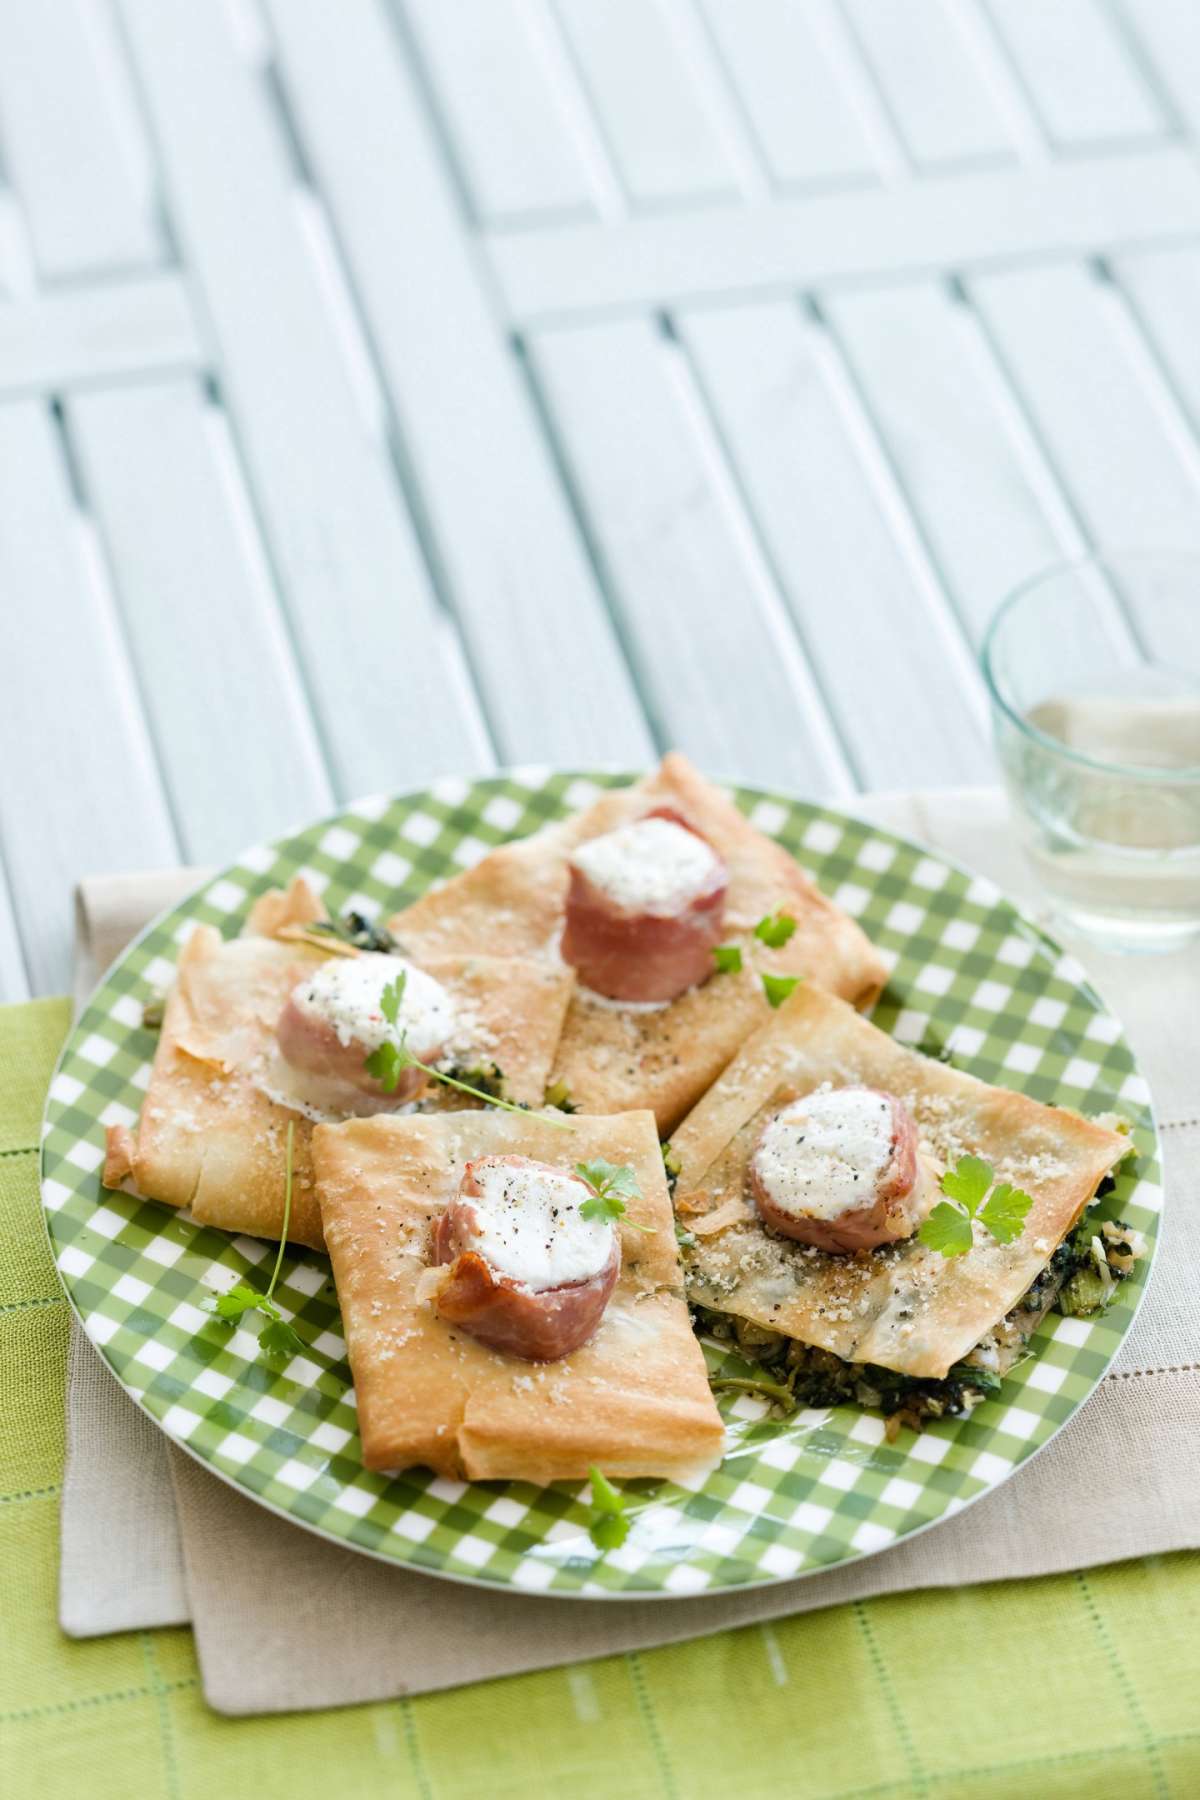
(397, 386)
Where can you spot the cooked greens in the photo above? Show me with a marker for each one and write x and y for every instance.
(1081, 1277)
(487, 1079)
(1093, 1261)
(795, 1375)
(355, 929)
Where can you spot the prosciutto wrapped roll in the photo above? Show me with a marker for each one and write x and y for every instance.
(645, 906)
(839, 1168)
(526, 1274)
(333, 1020)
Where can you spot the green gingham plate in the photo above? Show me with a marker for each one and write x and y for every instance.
(971, 980)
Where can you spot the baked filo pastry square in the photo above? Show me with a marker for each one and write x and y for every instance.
(900, 1306)
(617, 1052)
(634, 1399)
(212, 1132)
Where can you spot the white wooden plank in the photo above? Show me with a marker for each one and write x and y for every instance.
(101, 333)
(357, 592)
(18, 276)
(1165, 293)
(230, 722)
(936, 90)
(869, 613)
(554, 682)
(514, 135)
(650, 103)
(957, 221)
(72, 140)
(1165, 289)
(988, 505)
(1086, 88)
(1113, 427)
(794, 89)
(1168, 31)
(82, 794)
(718, 661)
(1130, 470)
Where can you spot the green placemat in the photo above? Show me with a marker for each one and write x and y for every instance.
(1067, 1685)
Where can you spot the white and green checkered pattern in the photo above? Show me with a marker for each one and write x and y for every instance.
(970, 979)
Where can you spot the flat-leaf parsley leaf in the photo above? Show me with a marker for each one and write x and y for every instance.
(392, 997)
(968, 1181)
(948, 1227)
(778, 987)
(612, 1185)
(1004, 1212)
(275, 1335)
(728, 958)
(609, 1527)
(775, 930)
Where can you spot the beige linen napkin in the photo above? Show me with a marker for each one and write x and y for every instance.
(120, 1562)
(284, 1620)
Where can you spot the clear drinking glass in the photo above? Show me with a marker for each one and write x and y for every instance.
(1094, 673)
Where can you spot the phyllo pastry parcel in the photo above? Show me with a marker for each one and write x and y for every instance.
(653, 895)
(512, 1297)
(278, 1025)
(851, 1202)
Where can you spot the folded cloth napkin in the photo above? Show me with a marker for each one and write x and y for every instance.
(118, 1490)
(284, 1620)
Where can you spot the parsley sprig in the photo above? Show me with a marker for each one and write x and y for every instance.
(612, 1185)
(775, 930)
(1000, 1209)
(393, 1056)
(275, 1335)
(609, 1527)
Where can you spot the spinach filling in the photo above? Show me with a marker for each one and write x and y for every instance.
(790, 1375)
(486, 1079)
(356, 929)
(796, 1375)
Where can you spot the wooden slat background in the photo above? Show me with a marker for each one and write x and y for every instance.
(412, 386)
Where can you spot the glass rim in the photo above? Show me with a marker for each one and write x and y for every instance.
(1185, 776)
